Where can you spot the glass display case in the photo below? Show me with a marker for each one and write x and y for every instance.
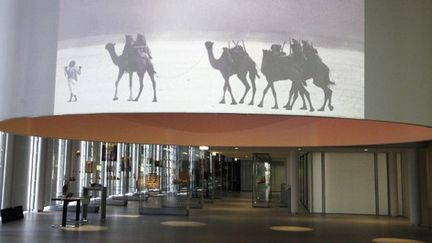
(261, 175)
(217, 164)
(165, 179)
(207, 165)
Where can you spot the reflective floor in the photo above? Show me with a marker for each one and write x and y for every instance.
(229, 220)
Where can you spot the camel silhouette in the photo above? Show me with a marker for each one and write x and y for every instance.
(138, 65)
(277, 68)
(315, 68)
(234, 61)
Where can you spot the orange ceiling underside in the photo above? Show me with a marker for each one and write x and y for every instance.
(219, 129)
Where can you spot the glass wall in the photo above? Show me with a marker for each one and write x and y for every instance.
(158, 176)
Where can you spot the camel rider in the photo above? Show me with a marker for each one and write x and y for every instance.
(276, 50)
(298, 57)
(128, 50)
(128, 47)
(308, 47)
(297, 52)
(310, 52)
(141, 47)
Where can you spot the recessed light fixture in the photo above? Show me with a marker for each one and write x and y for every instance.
(183, 223)
(299, 149)
(236, 148)
(86, 228)
(203, 147)
(396, 240)
(366, 150)
(235, 159)
(291, 228)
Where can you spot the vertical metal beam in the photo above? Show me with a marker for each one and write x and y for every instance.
(312, 182)
(388, 184)
(376, 183)
(323, 182)
(294, 176)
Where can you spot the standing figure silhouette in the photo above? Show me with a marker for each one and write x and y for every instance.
(72, 72)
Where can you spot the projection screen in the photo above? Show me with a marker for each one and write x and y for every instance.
(289, 57)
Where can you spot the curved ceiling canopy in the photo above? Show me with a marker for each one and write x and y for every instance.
(219, 129)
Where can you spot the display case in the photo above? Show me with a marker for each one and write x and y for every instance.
(217, 164)
(207, 165)
(261, 175)
(165, 180)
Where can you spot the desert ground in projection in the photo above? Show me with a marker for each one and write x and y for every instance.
(185, 81)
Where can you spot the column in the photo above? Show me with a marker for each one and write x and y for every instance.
(294, 177)
(8, 172)
(45, 174)
(413, 186)
(8, 26)
(16, 184)
(393, 185)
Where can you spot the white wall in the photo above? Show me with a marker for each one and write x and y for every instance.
(29, 42)
(277, 175)
(349, 183)
(398, 54)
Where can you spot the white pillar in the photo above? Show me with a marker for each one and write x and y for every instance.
(8, 19)
(294, 177)
(45, 173)
(393, 185)
(413, 186)
(8, 172)
(15, 188)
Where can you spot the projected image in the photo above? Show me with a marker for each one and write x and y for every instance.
(288, 57)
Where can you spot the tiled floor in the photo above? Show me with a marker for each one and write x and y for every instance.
(228, 220)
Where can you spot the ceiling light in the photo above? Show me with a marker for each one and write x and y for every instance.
(203, 147)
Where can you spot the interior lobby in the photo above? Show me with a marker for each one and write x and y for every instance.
(185, 166)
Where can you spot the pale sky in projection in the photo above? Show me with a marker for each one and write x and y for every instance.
(328, 18)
